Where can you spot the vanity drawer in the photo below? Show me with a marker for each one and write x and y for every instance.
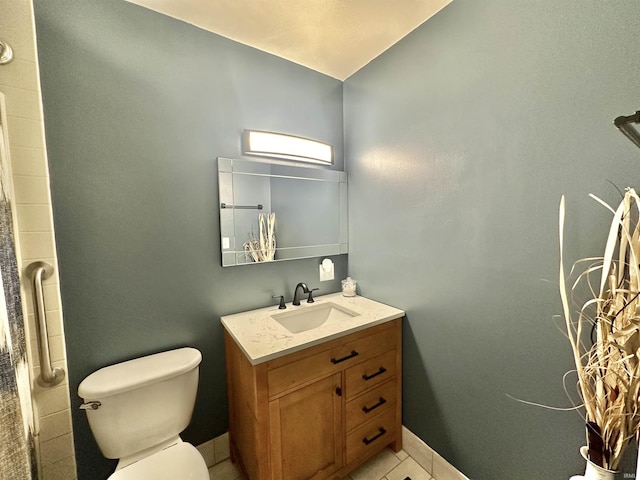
(368, 405)
(289, 372)
(370, 373)
(372, 436)
(301, 371)
(368, 346)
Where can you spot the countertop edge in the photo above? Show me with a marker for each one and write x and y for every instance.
(392, 315)
(312, 343)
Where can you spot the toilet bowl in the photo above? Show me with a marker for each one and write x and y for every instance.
(181, 461)
(137, 410)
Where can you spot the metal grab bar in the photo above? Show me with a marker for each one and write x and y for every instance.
(49, 376)
(6, 53)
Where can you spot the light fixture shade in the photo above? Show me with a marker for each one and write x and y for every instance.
(287, 147)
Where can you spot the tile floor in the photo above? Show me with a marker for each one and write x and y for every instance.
(387, 465)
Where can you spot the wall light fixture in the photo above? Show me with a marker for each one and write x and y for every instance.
(287, 147)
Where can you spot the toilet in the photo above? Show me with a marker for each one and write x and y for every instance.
(137, 410)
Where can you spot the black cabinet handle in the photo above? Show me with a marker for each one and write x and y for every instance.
(381, 402)
(338, 391)
(367, 441)
(351, 355)
(373, 375)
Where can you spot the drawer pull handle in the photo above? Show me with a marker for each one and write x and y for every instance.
(351, 355)
(373, 375)
(381, 432)
(381, 402)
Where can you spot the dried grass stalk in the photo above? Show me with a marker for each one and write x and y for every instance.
(263, 247)
(608, 370)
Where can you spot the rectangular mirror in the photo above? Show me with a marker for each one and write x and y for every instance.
(300, 210)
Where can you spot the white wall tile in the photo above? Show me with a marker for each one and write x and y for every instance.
(40, 390)
(221, 446)
(34, 218)
(57, 353)
(64, 469)
(29, 161)
(22, 102)
(215, 450)
(25, 132)
(427, 458)
(417, 449)
(51, 451)
(54, 329)
(19, 32)
(47, 283)
(19, 82)
(37, 246)
(57, 350)
(443, 470)
(55, 425)
(20, 73)
(51, 293)
(225, 471)
(51, 296)
(31, 190)
(52, 400)
(54, 322)
(207, 451)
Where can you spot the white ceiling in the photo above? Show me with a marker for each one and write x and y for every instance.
(335, 37)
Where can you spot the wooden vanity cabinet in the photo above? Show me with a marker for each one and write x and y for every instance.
(306, 431)
(317, 413)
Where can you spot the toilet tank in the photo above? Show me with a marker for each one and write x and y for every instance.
(143, 402)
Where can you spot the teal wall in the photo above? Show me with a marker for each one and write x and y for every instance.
(459, 142)
(137, 108)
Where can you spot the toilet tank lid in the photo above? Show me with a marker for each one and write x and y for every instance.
(138, 372)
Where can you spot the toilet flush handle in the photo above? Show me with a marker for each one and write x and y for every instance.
(90, 405)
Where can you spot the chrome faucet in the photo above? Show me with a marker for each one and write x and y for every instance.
(296, 297)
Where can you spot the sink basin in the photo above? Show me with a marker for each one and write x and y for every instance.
(308, 318)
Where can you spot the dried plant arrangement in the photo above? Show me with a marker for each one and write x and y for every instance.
(607, 364)
(263, 247)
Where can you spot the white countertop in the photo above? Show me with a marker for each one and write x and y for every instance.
(262, 338)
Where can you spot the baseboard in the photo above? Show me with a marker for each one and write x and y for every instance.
(216, 450)
(428, 458)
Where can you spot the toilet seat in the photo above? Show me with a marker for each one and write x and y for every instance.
(181, 461)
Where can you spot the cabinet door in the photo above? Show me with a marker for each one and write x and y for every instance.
(306, 433)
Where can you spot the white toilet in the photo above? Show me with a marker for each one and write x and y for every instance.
(137, 410)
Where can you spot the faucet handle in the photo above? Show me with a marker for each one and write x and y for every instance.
(282, 306)
(310, 299)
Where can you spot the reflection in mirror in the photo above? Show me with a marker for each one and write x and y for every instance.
(271, 212)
